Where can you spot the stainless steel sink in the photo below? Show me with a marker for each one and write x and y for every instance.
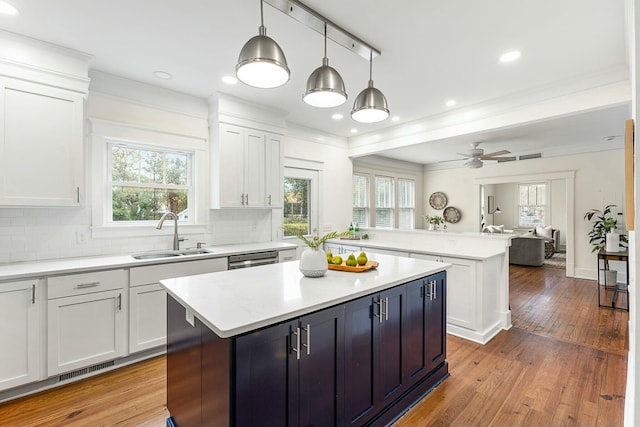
(155, 256)
(170, 254)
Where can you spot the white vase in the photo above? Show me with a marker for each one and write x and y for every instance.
(313, 262)
(612, 242)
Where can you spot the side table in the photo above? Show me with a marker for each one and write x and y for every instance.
(612, 294)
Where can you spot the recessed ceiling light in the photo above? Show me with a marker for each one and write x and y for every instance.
(510, 56)
(337, 116)
(229, 80)
(7, 9)
(163, 75)
(450, 103)
(354, 130)
(395, 118)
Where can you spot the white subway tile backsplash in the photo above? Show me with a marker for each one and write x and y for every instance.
(42, 233)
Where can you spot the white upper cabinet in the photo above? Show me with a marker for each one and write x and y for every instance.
(246, 169)
(40, 145)
(42, 90)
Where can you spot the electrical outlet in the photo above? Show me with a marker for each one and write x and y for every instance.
(189, 318)
(327, 228)
(82, 237)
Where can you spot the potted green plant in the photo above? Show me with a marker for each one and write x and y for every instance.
(313, 261)
(603, 224)
(434, 221)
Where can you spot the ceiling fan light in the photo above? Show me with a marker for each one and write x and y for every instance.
(474, 163)
(325, 87)
(370, 106)
(262, 63)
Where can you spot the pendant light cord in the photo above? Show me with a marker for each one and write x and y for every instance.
(325, 39)
(370, 64)
(261, 14)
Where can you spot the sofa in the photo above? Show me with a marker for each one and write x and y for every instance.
(527, 251)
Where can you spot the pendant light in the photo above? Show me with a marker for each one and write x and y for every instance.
(370, 106)
(261, 62)
(325, 87)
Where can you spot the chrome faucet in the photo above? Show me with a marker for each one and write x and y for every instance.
(176, 241)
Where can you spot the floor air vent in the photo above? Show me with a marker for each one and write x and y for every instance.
(84, 371)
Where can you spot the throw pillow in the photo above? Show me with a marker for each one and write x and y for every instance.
(544, 232)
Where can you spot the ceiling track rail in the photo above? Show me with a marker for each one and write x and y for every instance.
(314, 20)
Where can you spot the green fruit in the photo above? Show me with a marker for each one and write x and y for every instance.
(329, 257)
(351, 262)
(337, 260)
(362, 258)
(351, 256)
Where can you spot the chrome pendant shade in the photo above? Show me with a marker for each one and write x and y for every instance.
(261, 62)
(370, 106)
(325, 87)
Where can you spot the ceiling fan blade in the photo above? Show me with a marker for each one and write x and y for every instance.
(495, 153)
(452, 160)
(493, 158)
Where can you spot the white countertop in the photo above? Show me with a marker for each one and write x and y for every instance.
(424, 246)
(238, 301)
(28, 270)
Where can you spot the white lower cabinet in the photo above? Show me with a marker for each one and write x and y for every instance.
(148, 300)
(21, 311)
(87, 320)
(147, 317)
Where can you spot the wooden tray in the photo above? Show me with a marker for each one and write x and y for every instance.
(370, 265)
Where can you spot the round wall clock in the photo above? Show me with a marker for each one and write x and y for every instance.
(451, 215)
(438, 200)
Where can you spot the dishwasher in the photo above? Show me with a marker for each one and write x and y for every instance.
(252, 259)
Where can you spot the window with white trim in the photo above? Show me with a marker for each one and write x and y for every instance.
(301, 201)
(360, 213)
(144, 182)
(532, 204)
(406, 203)
(384, 201)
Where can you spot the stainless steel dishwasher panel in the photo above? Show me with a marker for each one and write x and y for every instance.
(252, 259)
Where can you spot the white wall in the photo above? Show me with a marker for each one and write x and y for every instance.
(599, 179)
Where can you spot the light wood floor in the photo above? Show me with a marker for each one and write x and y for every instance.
(563, 363)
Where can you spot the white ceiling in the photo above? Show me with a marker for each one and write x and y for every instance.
(432, 51)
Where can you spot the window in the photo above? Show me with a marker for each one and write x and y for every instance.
(360, 213)
(406, 204)
(146, 182)
(532, 206)
(384, 202)
(300, 201)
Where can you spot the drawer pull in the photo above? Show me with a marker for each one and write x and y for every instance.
(119, 302)
(87, 285)
(33, 294)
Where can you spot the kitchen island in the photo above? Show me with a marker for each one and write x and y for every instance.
(267, 346)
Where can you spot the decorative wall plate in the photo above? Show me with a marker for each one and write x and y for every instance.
(451, 215)
(438, 200)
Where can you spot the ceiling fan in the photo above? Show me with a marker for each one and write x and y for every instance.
(476, 155)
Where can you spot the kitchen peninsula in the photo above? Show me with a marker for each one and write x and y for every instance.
(268, 346)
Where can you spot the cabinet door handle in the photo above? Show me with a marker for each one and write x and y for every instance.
(78, 194)
(296, 349)
(119, 302)
(246, 199)
(308, 343)
(385, 312)
(269, 199)
(87, 285)
(33, 294)
(380, 314)
(435, 289)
